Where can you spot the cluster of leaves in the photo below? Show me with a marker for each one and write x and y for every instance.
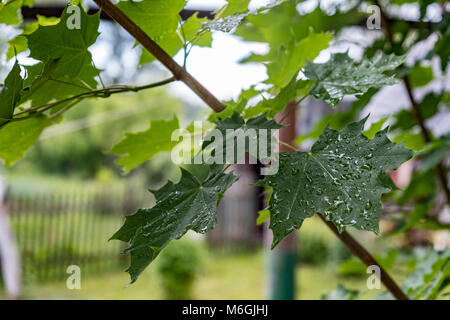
(65, 73)
(343, 177)
(64, 70)
(429, 278)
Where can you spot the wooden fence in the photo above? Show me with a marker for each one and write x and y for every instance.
(56, 230)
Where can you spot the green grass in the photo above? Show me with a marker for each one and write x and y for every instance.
(225, 277)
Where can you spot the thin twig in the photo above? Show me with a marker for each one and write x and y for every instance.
(60, 112)
(288, 145)
(98, 93)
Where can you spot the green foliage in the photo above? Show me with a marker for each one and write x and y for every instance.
(137, 148)
(439, 151)
(190, 204)
(42, 79)
(10, 94)
(68, 46)
(16, 137)
(340, 76)
(156, 17)
(342, 293)
(78, 146)
(294, 56)
(232, 7)
(295, 88)
(430, 276)
(19, 43)
(263, 216)
(313, 249)
(421, 75)
(178, 268)
(161, 21)
(237, 123)
(10, 11)
(339, 178)
(188, 32)
(354, 267)
(340, 119)
(428, 107)
(374, 128)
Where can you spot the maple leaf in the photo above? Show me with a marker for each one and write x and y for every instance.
(342, 178)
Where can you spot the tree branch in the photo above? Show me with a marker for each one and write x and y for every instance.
(178, 71)
(181, 74)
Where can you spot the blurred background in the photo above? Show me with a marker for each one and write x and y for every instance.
(67, 196)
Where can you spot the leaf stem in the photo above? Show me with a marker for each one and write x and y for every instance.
(288, 145)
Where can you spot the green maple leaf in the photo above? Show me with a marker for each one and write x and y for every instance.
(342, 178)
(19, 43)
(155, 17)
(190, 204)
(237, 122)
(18, 136)
(10, 11)
(293, 56)
(10, 94)
(136, 148)
(68, 46)
(340, 76)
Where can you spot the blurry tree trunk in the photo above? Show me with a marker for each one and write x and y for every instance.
(282, 259)
(9, 254)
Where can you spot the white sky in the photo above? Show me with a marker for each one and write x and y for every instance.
(217, 68)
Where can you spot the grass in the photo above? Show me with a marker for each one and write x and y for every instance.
(228, 277)
(225, 276)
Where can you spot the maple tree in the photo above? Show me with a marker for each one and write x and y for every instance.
(342, 178)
